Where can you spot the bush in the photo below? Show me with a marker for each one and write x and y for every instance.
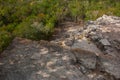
(5, 39)
(77, 9)
(33, 28)
(8, 28)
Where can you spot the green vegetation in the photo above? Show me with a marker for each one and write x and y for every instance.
(5, 39)
(36, 19)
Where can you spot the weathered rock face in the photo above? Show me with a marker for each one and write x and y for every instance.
(107, 38)
(76, 53)
(107, 34)
(29, 60)
(111, 65)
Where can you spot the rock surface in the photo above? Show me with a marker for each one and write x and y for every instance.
(28, 60)
(91, 52)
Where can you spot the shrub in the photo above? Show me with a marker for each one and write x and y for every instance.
(33, 28)
(5, 39)
(8, 28)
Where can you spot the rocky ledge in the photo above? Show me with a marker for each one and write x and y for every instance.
(89, 52)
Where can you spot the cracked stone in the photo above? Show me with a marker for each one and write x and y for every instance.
(85, 58)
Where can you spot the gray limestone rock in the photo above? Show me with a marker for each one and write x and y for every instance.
(105, 42)
(85, 58)
(41, 61)
(111, 65)
(86, 45)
